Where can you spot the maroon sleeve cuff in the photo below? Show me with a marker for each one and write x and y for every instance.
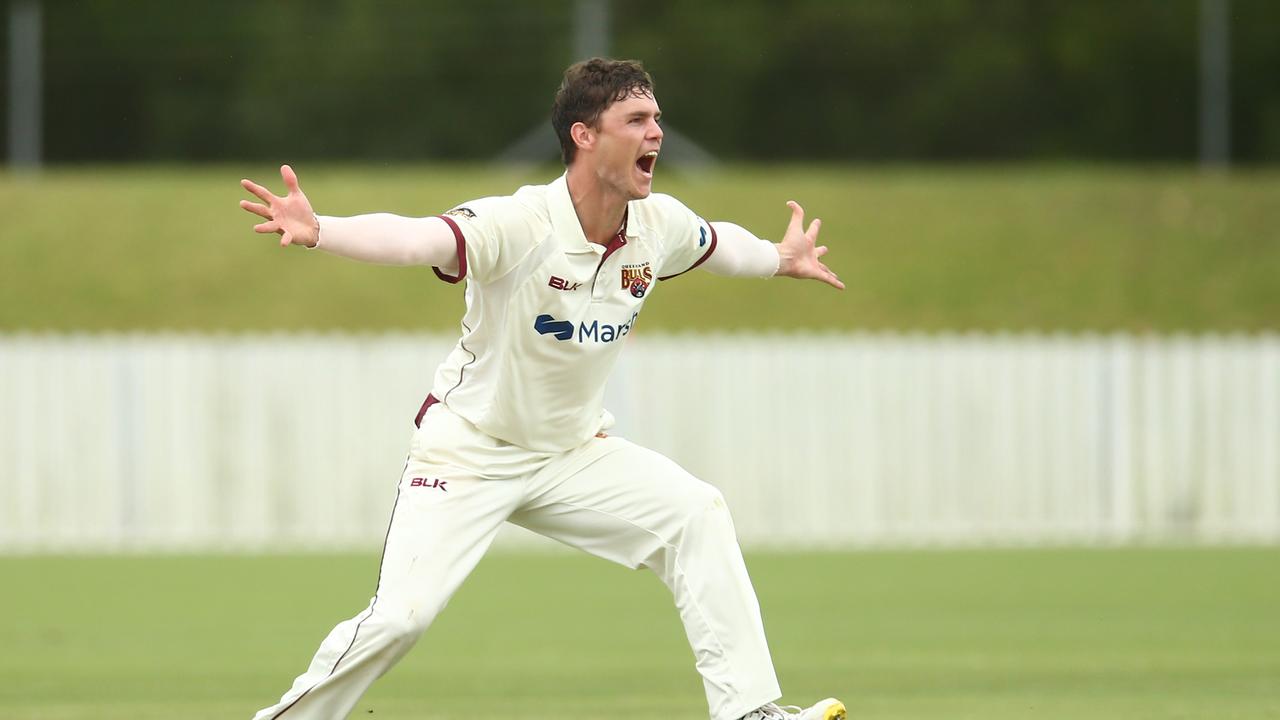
(701, 260)
(462, 252)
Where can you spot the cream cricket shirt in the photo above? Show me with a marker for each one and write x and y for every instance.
(548, 312)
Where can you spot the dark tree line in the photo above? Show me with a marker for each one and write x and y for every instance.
(862, 80)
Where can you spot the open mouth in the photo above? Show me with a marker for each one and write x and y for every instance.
(646, 163)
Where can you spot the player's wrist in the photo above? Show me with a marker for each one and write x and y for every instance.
(786, 260)
(315, 233)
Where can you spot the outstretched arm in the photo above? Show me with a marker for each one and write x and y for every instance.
(740, 253)
(378, 238)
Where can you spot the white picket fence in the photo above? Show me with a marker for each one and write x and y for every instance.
(288, 442)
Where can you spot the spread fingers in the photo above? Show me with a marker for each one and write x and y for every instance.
(256, 208)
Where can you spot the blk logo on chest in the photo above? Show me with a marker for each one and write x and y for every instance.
(560, 283)
(432, 483)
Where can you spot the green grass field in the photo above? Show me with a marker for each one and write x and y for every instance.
(944, 635)
(1018, 248)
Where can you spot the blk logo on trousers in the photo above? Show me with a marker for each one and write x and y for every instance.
(428, 483)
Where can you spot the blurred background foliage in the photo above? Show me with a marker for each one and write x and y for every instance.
(751, 80)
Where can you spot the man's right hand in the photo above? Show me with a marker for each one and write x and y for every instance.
(290, 217)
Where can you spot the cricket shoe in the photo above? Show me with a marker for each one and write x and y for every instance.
(829, 709)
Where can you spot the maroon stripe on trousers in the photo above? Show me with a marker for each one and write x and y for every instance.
(356, 633)
(426, 405)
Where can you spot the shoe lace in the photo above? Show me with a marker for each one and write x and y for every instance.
(773, 711)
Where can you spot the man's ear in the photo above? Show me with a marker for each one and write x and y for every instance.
(583, 136)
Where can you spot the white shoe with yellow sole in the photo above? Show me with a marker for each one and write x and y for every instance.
(829, 709)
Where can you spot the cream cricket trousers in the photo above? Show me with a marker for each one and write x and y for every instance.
(609, 497)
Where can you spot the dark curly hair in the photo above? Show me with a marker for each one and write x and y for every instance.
(588, 89)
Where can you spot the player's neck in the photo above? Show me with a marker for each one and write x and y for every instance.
(600, 211)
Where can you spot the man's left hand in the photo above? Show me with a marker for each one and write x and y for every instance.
(799, 251)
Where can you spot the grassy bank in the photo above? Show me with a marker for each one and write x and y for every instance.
(921, 249)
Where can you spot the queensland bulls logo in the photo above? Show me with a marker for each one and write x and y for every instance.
(637, 278)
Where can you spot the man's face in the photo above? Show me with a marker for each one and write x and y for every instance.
(626, 150)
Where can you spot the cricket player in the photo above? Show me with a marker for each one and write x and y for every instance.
(514, 429)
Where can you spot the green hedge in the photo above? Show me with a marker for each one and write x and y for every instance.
(410, 80)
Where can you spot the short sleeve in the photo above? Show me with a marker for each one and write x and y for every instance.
(493, 235)
(687, 240)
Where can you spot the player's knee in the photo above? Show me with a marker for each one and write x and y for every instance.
(401, 624)
(701, 516)
(703, 502)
